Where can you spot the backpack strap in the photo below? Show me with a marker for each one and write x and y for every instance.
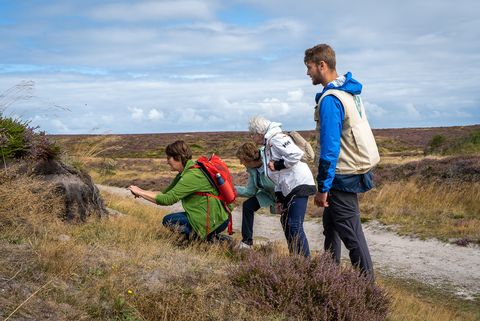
(207, 217)
(225, 206)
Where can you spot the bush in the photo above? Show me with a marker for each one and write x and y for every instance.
(18, 139)
(468, 144)
(12, 137)
(308, 289)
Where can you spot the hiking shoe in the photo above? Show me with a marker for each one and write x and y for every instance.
(244, 246)
(222, 238)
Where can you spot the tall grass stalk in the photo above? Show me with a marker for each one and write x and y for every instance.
(4, 162)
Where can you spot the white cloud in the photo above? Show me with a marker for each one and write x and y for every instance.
(374, 110)
(136, 113)
(189, 116)
(153, 10)
(60, 126)
(295, 95)
(412, 112)
(154, 114)
(273, 107)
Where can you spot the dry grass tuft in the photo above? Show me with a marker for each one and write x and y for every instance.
(427, 209)
(26, 207)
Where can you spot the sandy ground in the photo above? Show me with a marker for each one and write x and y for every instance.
(449, 267)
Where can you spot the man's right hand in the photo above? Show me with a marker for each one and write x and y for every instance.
(321, 199)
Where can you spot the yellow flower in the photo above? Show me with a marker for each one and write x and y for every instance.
(130, 292)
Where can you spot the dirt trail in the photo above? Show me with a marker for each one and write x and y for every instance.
(449, 267)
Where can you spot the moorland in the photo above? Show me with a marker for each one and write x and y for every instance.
(128, 267)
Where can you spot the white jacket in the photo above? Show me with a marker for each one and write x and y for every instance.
(280, 146)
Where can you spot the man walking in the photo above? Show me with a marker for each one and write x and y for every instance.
(347, 153)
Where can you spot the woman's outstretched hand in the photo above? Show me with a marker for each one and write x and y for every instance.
(135, 190)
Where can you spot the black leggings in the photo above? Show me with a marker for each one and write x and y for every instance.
(249, 208)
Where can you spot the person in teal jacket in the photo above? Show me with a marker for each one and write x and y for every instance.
(260, 190)
(204, 215)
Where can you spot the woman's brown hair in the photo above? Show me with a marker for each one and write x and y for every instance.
(180, 151)
(248, 152)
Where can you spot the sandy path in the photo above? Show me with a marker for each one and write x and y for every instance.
(450, 267)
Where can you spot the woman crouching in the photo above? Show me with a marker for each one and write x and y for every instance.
(203, 215)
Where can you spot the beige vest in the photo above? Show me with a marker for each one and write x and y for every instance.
(358, 150)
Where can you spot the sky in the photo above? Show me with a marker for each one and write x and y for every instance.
(94, 67)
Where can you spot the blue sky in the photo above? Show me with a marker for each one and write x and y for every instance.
(197, 65)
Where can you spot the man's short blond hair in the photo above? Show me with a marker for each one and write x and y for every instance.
(321, 52)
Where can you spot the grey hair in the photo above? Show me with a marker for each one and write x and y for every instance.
(258, 125)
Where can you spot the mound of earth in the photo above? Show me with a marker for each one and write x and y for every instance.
(81, 198)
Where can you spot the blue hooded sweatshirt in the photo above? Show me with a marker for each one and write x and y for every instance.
(332, 115)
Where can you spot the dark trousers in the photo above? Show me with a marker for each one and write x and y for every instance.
(249, 207)
(179, 222)
(293, 214)
(341, 222)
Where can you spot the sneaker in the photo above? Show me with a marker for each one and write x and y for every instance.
(244, 246)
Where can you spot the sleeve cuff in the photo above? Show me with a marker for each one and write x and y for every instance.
(279, 165)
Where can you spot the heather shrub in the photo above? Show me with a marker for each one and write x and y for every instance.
(18, 139)
(449, 170)
(308, 289)
(12, 140)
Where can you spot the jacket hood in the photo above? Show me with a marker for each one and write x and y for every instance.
(345, 83)
(273, 129)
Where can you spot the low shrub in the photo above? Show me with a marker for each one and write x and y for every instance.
(436, 143)
(18, 139)
(467, 144)
(444, 171)
(308, 289)
(12, 137)
(470, 144)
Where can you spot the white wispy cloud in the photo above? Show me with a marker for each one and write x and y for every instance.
(154, 10)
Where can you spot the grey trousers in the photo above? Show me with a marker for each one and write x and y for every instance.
(341, 221)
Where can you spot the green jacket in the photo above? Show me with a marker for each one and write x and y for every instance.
(260, 186)
(183, 187)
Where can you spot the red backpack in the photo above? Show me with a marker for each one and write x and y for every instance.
(219, 176)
